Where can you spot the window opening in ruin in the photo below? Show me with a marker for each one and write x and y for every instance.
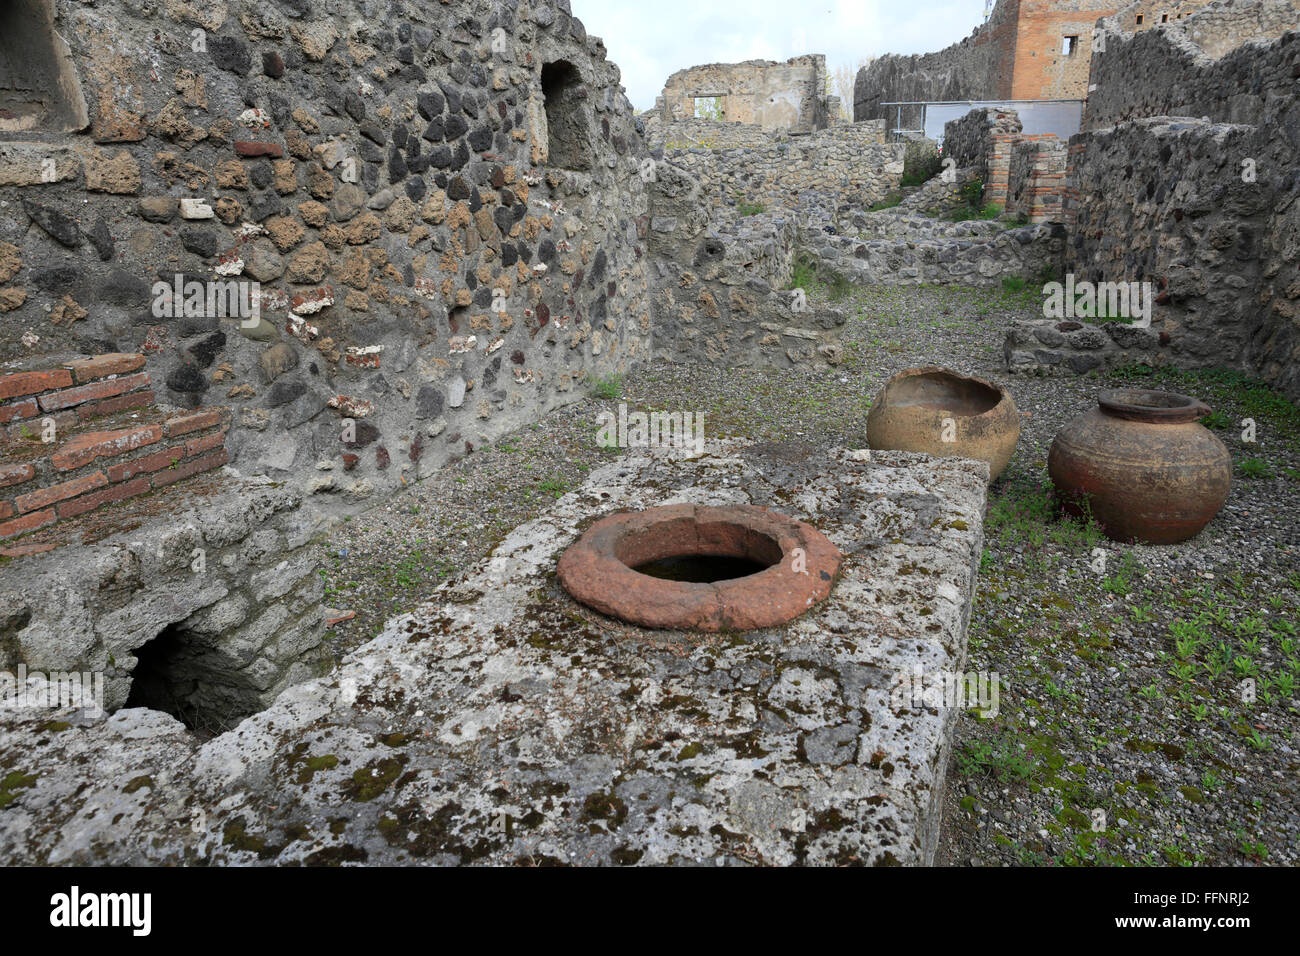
(39, 86)
(1164, 18)
(175, 673)
(708, 107)
(1139, 19)
(1069, 45)
(568, 143)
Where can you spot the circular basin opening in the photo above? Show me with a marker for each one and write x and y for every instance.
(1150, 405)
(943, 391)
(700, 568)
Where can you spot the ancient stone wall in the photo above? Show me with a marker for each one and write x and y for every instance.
(1210, 214)
(437, 202)
(982, 140)
(1210, 65)
(971, 254)
(786, 96)
(979, 67)
(766, 170)
(1036, 179)
(718, 283)
(1147, 15)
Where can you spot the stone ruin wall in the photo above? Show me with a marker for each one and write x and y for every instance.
(982, 140)
(436, 263)
(1154, 15)
(1203, 66)
(775, 96)
(718, 279)
(1036, 179)
(449, 236)
(978, 67)
(755, 166)
(1204, 208)
(1023, 173)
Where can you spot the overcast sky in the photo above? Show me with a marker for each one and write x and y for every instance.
(651, 39)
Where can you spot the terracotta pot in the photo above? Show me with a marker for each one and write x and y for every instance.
(911, 413)
(1142, 465)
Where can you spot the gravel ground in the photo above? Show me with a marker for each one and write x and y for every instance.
(1122, 735)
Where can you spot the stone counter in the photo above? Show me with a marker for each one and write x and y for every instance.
(505, 724)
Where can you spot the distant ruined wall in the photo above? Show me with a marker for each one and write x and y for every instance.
(719, 279)
(440, 202)
(770, 170)
(1221, 26)
(979, 67)
(1205, 65)
(787, 96)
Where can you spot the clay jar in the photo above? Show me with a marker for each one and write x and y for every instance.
(921, 407)
(1142, 465)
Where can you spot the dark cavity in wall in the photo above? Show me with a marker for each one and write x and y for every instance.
(175, 673)
(568, 142)
(39, 87)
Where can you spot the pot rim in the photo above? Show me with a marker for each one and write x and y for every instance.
(1175, 409)
(1003, 395)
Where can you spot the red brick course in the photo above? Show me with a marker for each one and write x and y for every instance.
(32, 383)
(27, 523)
(129, 489)
(106, 388)
(82, 390)
(213, 460)
(45, 497)
(85, 448)
(183, 424)
(102, 366)
(156, 461)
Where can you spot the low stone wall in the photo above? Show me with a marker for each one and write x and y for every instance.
(852, 161)
(678, 135)
(1052, 346)
(718, 282)
(1029, 252)
(1036, 179)
(220, 571)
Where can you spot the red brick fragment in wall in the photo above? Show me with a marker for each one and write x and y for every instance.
(32, 383)
(45, 497)
(120, 492)
(252, 149)
(27, 523)
(101, 366)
